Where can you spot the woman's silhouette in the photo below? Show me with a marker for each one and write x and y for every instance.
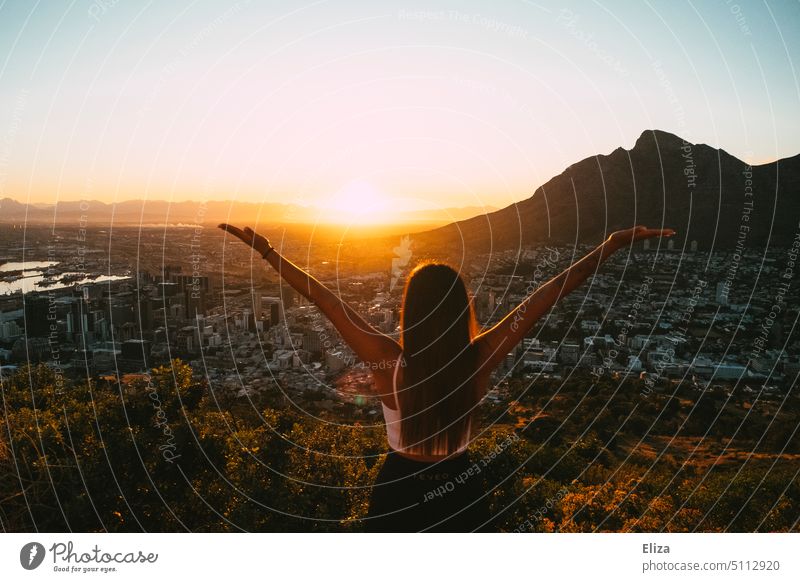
(432, 380)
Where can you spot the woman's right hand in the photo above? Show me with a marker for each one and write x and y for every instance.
(249, 237)
(623, 238)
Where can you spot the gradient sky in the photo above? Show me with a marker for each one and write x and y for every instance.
(435, 104)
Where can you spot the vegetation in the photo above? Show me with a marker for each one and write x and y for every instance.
(161, 452)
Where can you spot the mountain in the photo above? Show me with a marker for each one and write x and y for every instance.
(142, 212)
(698, 190)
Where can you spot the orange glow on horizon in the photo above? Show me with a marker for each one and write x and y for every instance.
(357, 203)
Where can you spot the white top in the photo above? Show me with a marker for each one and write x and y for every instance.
(393, 417)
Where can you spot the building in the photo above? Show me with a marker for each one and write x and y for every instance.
(569, 353)
(634, 364)
(10, 330)
(36, 311)
(273, 307)
(590, 326)
(335, 361)
(312, 341)
(639, 342)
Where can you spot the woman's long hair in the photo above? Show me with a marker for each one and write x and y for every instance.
(439, 361)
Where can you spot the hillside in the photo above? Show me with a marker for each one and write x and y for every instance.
(694, 188)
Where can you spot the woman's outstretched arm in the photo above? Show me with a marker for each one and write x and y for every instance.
(369, 344)
(495, 343)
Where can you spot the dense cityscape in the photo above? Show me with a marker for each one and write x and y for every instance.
(666, 315)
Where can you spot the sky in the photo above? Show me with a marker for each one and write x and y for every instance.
(344, 104)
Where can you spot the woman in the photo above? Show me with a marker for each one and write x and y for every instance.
(433, 379)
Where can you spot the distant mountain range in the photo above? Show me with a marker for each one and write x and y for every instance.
(100, 213)
(700, 191)
(145, 212)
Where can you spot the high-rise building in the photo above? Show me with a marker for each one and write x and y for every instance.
(80, 322)
(248, 321)
(36, 310)
(273, 308)
(288, 295)
(144, 314)
(196, 289)
(312, 341)
(188, 340)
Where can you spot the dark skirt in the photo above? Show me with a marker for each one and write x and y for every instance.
(416, 496)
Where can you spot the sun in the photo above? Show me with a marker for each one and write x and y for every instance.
(358, 202)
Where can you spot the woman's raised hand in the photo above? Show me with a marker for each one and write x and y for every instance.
(623, 238)
(249, 237)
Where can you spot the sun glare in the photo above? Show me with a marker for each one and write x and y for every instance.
(358, 202)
